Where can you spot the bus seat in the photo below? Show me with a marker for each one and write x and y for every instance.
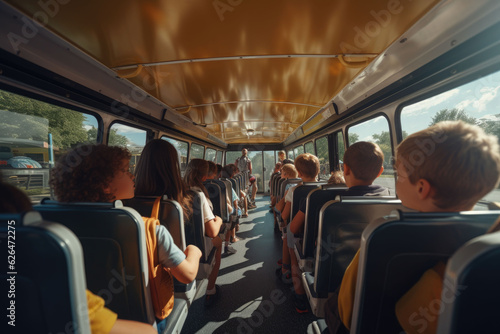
(472, 277)
(341, 224)
(114, 244)
(300, 192)
(49, 275)
(171, 215)
(318, 327)
(177, 317)
(395, 252)
(314, 202)
(216, 192)
(196, 236)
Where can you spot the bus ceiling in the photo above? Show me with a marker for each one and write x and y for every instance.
(235, 71)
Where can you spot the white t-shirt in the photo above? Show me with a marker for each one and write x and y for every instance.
(288, 196)
(206, 205)
(169, 254)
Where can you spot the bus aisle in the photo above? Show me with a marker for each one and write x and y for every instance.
(252, 299)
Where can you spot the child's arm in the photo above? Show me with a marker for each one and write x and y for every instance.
(186, 271)
(131, 327)
(297, 223)
(229, 207)
(281, 203)
(285, 214)
(212, 227)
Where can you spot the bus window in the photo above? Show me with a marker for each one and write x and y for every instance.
(210, 154)
(290, 155)
(231, 156)
(33, 134)
(376, 130)
(130, 137)
(218, 158)
(309, 148)
(196, 152)
(324, 160)
(475, 102)
(182, 151)
(270, 158)
(298, 150)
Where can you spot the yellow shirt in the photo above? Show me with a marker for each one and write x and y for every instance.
(101, 318)
(347, 291)
(418, 310)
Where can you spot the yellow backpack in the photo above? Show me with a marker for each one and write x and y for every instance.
(160, 279)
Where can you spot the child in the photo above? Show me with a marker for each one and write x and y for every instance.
(461, 149)
(197, 173)
(288, 171)
(308, 167)
(102, 320)
(253, 186)
(337, 179)
(103, 175)
(428, 165)
(158, 173)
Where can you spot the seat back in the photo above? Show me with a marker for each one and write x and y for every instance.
(274, 184)
(229, 192)
(114, 244)
(341, 223)
(395, 253)
(282, 186)
(170, 215)
(314, 202)
(271, 183)
(217, 196)
(44, 284)
(300, 192)
(471, 290)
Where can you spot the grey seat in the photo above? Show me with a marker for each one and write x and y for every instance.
(395, 253)
(113, 240)
(300, 192)
(47, 277)
(315, 200)
(471, 292)
(341, 224)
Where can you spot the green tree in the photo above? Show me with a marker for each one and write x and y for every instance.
(65, 125)
(452, 115)
(116, 139)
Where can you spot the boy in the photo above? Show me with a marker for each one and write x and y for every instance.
(447, 167)
(431, 186)
(307, 166)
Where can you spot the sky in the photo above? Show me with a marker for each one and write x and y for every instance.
(479, 99)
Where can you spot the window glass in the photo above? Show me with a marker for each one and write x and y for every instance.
(324, 161)
(376, 130)
(218, 158)
(290, 155)
(196, 152)
(298, 150)
(33, 135)
(182, 151)
(309, 148)
(210, 154)
(130, 137)
(231, 156)
(475, 102)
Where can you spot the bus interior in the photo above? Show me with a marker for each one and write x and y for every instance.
(215, 77)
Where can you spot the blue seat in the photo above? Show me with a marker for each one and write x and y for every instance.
(113, 240)
(471, 293)
(47, 277)
(341, 224)
(396, 251)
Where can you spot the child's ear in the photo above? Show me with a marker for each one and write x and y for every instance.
(347, 170)
(381, 171)
(424, 188)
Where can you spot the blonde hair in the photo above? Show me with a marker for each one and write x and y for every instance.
(337, 178)
(365, 160)
(459, 160)
(290, 170)
(307, 164)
